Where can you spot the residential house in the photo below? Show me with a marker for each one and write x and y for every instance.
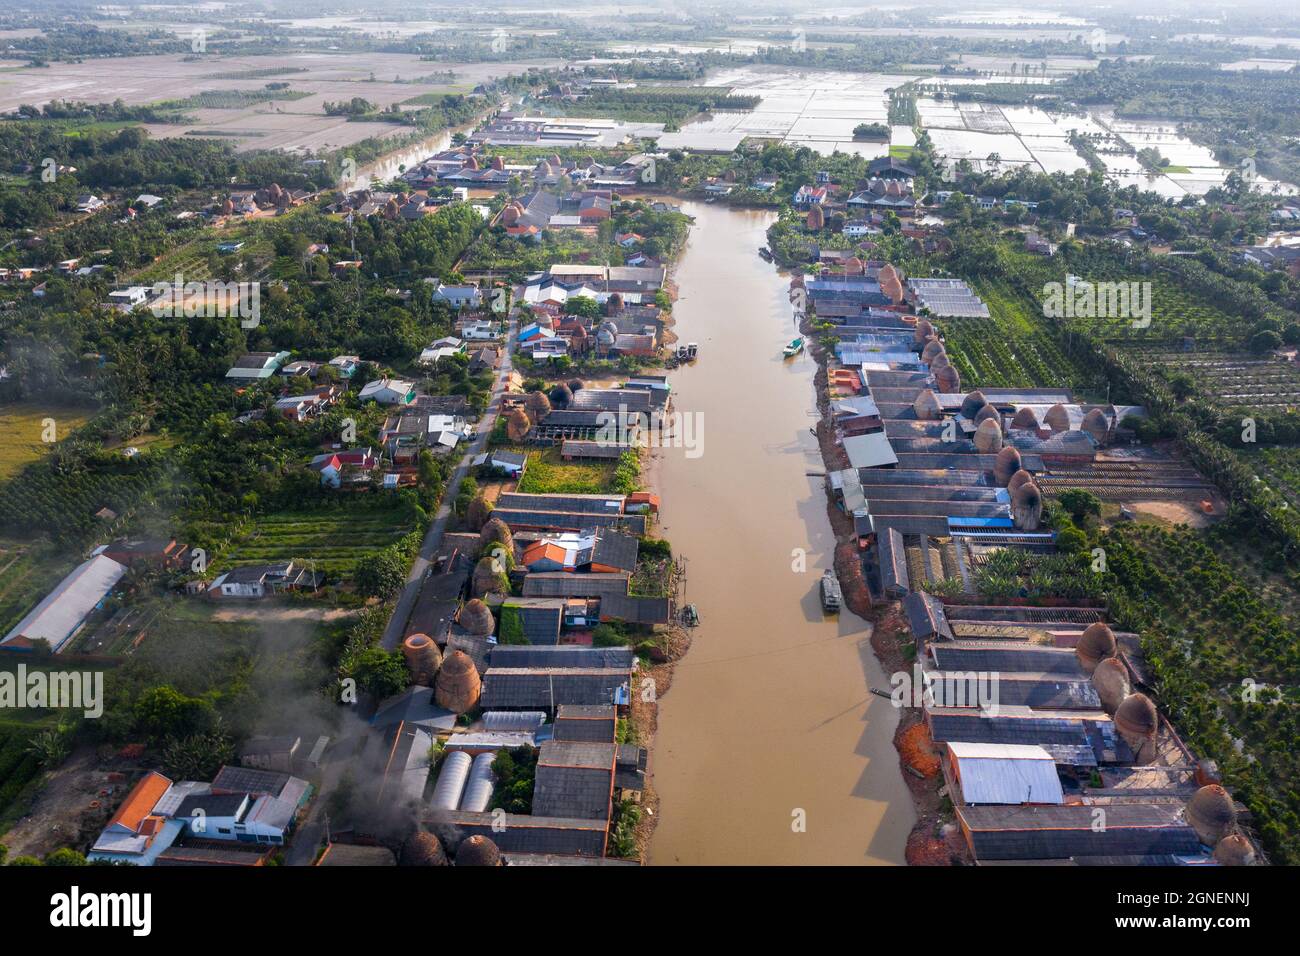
(136, 833)
(263, 580)
(388, 391)
(256, 366)
(458, 296)
(512, 463)
(807, 195)
(346, 364)
(146, 552)
(600, 551)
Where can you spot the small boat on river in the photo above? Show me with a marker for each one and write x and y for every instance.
(794, 348)
(832, 597)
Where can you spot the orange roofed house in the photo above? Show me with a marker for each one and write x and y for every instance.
(601, 551)
(137, 833)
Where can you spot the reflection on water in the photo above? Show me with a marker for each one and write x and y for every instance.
(769, 715)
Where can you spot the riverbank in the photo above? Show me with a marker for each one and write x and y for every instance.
(929, 843)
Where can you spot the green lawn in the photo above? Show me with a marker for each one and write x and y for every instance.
(22, 430)
(548, 473)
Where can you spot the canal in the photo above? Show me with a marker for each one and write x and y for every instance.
(770, 749)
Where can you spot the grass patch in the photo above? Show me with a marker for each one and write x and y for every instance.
(549, 474)
(21, 429)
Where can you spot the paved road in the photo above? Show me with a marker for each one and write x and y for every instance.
(393, 633)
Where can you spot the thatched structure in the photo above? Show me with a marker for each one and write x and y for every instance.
(518, 424)
(458, 686)
(1018, 479)
(422, 657)
(1110, 681)
(1025, 419)
(477, 850)
(576, 385)
(476, 618)
(922, 331)
(932, 348)
(1057, 418)
(423, 849)
(538, 405)
(1026, 506)
(816, 219)
(988, 437)
(1007, 464)
(926, 406)
(1096, 643)
(939, 361)
(1211, 814)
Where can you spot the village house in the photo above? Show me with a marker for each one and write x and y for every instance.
(299, 408)
(388, 391)
(164, 553)
(256, 366)
(458, 296)
(263, 580)
(345, 466)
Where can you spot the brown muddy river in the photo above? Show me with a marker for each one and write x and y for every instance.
(768, 728)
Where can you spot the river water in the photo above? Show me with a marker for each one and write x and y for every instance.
(770, 750)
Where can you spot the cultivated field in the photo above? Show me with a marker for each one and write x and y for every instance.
(330, 539)
(22, 428)
(287, 124)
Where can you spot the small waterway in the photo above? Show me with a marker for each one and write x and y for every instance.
(769, 720)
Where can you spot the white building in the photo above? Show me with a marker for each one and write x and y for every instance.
(388, 391)
(63, 612)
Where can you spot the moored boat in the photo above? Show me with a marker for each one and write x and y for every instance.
(832, 597)
(794, 348)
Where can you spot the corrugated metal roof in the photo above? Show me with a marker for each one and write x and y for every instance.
(1006, 773)
(1054, 832)
(565, 655)
(870, 451)
(58, 616)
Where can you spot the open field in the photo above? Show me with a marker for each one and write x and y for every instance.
(21, 429)
(286, 123)
(548, 473)
(1019, 354)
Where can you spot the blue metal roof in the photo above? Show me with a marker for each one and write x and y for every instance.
(956, 522)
